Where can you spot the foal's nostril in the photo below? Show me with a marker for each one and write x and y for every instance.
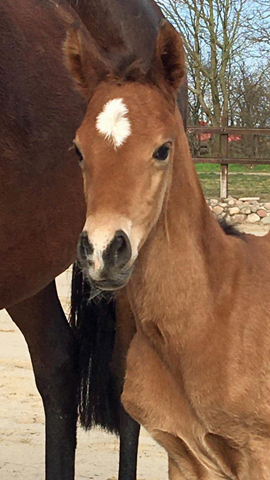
(118, 253)
(85, 249)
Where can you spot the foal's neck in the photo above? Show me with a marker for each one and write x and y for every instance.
(187, 256)
(186, 219)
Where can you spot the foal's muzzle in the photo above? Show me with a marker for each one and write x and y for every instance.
(108, 269)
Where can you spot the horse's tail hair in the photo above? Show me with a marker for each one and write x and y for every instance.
(93, 322)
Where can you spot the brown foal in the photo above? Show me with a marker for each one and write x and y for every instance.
(198, 367)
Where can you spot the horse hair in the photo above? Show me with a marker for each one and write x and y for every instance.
(93, 322)
(231, 229)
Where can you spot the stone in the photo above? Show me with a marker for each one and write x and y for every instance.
(255, 203)
(231, 203)
(234, 210)
(217, 210)
(239, 218)
(249, 199)
(253, 218)
(213, 202)
(223, 205)
(253, 208)
(267, 206)
(238, 203)
(262, 213)
(246, 210)
(266, 220)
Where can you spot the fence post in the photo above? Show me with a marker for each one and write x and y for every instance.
(224, 174)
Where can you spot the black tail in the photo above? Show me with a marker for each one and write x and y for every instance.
(94, 324)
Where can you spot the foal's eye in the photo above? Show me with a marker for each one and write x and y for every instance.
(162, 152)
(78, 153)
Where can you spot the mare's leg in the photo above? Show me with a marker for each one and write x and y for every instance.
(129, 429)
(53, 353)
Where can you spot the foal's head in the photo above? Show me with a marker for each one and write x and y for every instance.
(125, 146)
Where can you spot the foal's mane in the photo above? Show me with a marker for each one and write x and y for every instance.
(230, 229)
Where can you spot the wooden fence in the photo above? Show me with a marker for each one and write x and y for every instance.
(224, 160)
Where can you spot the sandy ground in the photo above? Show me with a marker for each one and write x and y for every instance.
(22, 418)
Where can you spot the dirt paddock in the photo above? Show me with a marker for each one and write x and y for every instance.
(22, 418)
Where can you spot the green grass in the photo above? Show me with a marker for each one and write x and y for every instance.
(208, 167)
(239, 185)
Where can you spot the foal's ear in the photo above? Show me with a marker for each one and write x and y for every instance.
(168, 63)
(83, 60)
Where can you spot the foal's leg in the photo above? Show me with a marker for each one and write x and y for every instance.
(174, 471)
(152, 397)
(129, 429)
(129, 436)
(53, 353)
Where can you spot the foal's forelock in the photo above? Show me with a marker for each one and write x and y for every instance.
(113, 123)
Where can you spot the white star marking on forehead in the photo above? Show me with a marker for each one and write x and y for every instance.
(113, 123)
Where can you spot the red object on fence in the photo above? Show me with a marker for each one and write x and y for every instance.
(203, 137)
(234, 138)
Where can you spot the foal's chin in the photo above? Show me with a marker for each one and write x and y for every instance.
(109, 284)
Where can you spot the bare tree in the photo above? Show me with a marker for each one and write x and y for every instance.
(259, 30)
(214, 38)
(250, 108)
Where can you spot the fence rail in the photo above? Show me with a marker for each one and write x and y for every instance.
(224, 160)
(232, 161)
(230, 130)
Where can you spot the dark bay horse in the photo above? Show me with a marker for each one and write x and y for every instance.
(41, 198)
(198, 367)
